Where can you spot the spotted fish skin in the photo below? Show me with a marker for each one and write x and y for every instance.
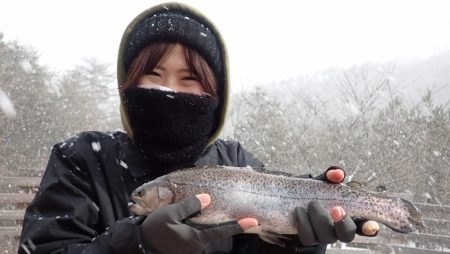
(271, 198)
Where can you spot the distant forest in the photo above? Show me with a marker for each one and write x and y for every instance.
(387, 125)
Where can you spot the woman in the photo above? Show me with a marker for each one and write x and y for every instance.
(173, 84)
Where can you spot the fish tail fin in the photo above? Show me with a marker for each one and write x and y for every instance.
(414, 217)
(267, 236)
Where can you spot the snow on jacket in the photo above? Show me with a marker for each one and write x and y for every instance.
(82, 202)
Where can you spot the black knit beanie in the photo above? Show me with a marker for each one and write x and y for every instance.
(175, 22)
(176, 25)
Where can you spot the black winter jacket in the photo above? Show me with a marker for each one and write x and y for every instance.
(82, 202)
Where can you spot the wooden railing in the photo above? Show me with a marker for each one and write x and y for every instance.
(435, 238)
(15, 195)
(17, 192)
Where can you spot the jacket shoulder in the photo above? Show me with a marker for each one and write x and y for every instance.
(92, 139)
(91, 136)
(228, 153)
(86, 146)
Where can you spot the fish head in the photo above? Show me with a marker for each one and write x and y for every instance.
(151, 196)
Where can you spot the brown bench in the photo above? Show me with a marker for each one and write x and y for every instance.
(436, 227)
(386, 248)
(17, 192)
(388, 241)
(10, 232)
(417, 240)
(434, 211)
(12, 214)
(20, 200)
(19, 184)
(15, 195)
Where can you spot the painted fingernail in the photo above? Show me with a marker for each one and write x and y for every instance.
(205, 199)
(247, 223)
(337, 213)
(335, 175)
(370, 228)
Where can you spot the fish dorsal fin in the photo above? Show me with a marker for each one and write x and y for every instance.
(271, 172)
(247, 168)
(355, 184)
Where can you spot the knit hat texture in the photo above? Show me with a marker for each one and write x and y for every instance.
(176, 22)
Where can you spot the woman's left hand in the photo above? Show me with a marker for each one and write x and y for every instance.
(317, 225)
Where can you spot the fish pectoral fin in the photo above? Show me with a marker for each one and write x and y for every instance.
(267, 236)
(211, 217)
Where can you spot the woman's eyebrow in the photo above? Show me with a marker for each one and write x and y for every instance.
(179, 70)
(184, 70)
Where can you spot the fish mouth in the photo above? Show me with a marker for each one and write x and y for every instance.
(135, 207)
(131, 203)
(134, 200)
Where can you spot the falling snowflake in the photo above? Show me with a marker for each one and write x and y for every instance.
(96, 146)
(7, 106)
(123, 164)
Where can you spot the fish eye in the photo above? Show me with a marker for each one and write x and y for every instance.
(141, 192)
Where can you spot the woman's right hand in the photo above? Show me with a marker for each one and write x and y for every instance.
(164, 232)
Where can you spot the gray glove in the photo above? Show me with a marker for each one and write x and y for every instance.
(164, 232)
(315, 225)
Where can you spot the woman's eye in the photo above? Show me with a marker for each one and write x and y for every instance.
(190, 78)
(153, 73)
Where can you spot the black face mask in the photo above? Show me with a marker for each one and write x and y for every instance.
(170, 129)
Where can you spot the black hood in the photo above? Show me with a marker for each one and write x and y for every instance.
(175, 22)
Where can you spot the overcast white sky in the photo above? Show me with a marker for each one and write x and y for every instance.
(267, 40)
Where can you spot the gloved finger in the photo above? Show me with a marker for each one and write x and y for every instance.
(183, 209)
(331, 178)
(366, 227)
(188, 236)
(345, 229)
(218, 232)
(304, 228)
(321, 222)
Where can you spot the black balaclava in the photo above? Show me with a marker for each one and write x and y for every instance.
(171, 129)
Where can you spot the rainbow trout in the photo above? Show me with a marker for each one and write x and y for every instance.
(270, 198)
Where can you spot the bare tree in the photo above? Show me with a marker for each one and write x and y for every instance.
(385, 142)
(26, 83)
(49, 107)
